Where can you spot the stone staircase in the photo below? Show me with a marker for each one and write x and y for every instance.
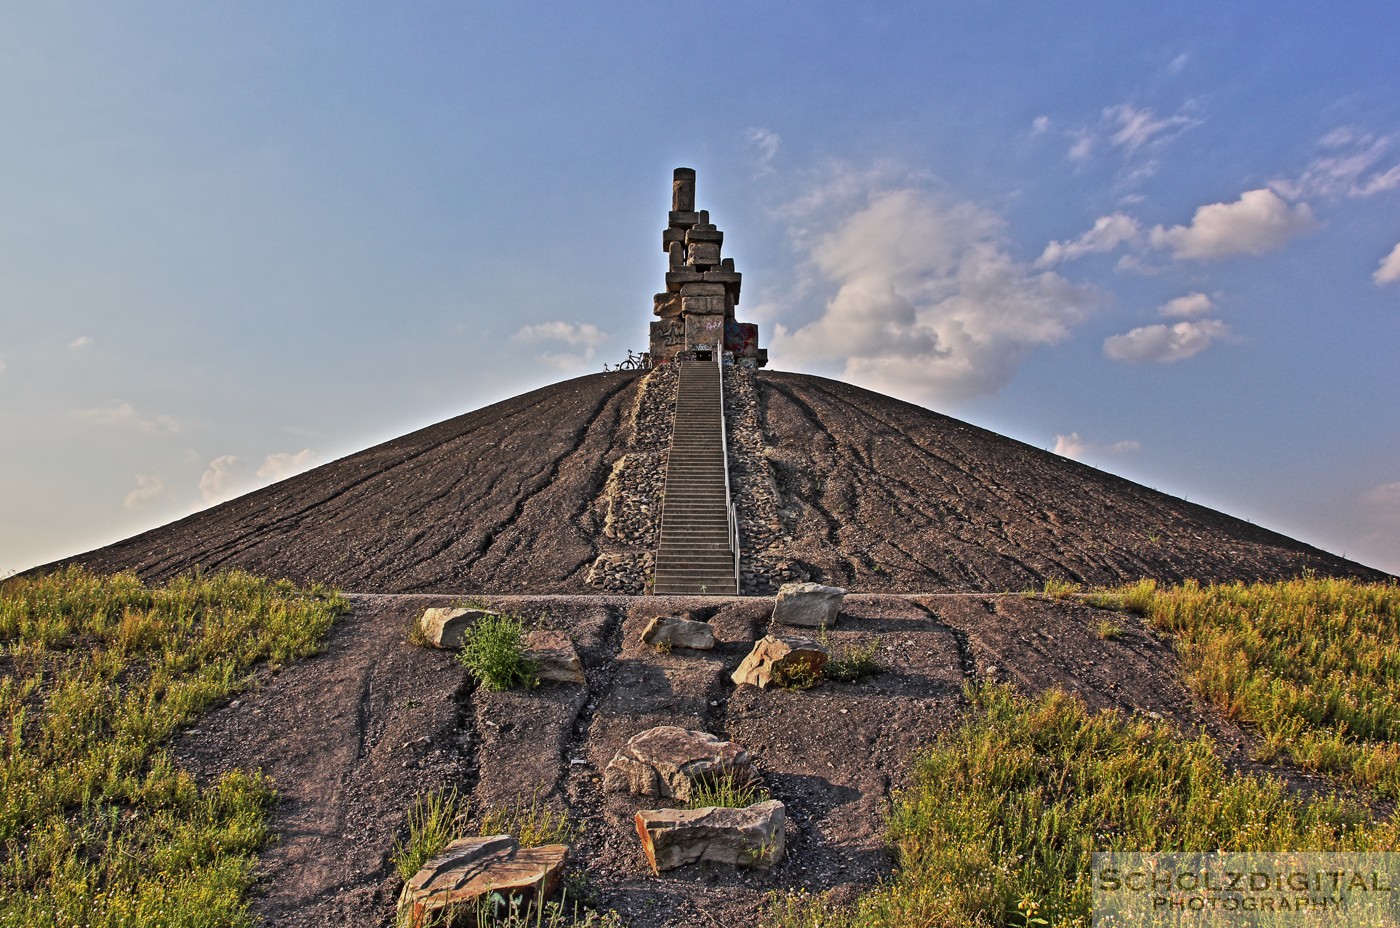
(698, 545)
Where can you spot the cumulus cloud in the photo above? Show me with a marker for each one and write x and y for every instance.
(1259, 221)
(1166, 343)
(1075, 446)
(924, 300)
(1189, 306)
(148, 487)
(1351, 167)
(1107, 234)
(1387, 273)
(284, 464)
(82, 341)
(122, 414)
(223, 479)
(583, 336)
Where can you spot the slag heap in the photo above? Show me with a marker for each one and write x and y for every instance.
(702, 289)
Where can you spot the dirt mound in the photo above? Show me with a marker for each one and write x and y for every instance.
(859, 489)
(352, 735)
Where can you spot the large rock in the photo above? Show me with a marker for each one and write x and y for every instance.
(470, 868)
(443, 627)
(667, 761)
(554, 657)
(782, 661)
(808, 605)
(751, 837)
(675, 632)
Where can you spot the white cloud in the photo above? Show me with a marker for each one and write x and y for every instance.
(1082, 148)
(284, 464)
(1107, 234)
(1189, 306)
(1259, 221)
(580, 335)
(1386, 496)
(148, 487)
(1075, 446)
(1133, 128)
(1040, 125)
(765, 144)
(224, 479)
(1389, 270)
(1179, 62)
(122, 414)
(1351, 168)
(82, 341)
(1165, 343)
(924, 299)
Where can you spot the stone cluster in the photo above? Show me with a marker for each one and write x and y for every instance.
(696, 310)
(764, 564)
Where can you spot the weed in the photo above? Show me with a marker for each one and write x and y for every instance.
(850, 663)
(726, 791)
(432, 825)
(493, 649)
(796, 675)
(1059, 589)
(98, 825)
(532, 824)
(1108, 630)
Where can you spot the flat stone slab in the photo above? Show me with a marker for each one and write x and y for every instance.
(556, 660)
(676, 632)
(808, 605)
(667, 761)
(443, 626)
(751, 837)
(470, 868)
(775, 660)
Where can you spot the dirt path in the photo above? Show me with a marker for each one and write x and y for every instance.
(352, 735)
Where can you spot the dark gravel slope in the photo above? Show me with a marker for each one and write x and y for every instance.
(876, 494)
(882, 495)
(496, 499)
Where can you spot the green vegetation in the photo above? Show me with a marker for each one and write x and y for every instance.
(433, 823)
(727, 791)
(1108, 630)
(796, 675)
(98, 826)
(1059, 589)
(1313, 665)
(532, 823)
(493, 649)
(851, 663)
(1004, 813)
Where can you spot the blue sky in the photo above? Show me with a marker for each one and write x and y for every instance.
(241, 239)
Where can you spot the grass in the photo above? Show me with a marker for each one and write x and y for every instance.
(1004, 813)
(1313, 665)
(97, 824)
(432, 825)
(493, 649)
(851, 663)
(726, 791)
(532, 824)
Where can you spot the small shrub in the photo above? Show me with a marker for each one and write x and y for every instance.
(727, 791)
(493, 649)
(1108, 630)
(853, 663)
(796, 676)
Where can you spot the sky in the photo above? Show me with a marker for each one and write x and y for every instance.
(238, 240)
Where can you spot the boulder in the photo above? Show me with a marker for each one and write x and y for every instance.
(675, 632)
(808, 605)
(554, 657)
(666, 761)
(782, 660)
(443, 627)
(751, 837)
(470, 868)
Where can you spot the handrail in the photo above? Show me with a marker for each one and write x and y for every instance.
(724, 449)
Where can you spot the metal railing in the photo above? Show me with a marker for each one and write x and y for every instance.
(724, 448)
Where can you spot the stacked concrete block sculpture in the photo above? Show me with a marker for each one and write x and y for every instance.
(697, 308)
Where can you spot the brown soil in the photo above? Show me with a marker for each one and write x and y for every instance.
(353, 734)
(874, 494)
